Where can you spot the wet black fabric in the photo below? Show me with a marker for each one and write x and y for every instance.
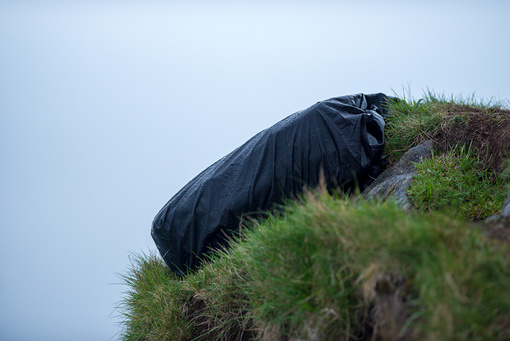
(341, 138)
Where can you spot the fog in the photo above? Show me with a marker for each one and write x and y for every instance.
(108, 108)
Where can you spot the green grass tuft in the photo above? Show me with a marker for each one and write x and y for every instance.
(151, 310)
(469, 102)
(409, 124)
(455, 182)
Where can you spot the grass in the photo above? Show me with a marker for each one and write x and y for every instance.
(456, 182)
(467, 175)
(410, 124)
(328, 267)
(152, 309)
(315, 271)
(414, 121)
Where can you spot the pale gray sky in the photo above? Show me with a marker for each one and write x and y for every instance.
(108, 108)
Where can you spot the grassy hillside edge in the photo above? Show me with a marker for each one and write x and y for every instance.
(329, 267)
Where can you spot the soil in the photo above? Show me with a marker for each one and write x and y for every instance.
(390, 311)
(486, 131)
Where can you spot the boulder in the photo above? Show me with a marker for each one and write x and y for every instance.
(395, 180)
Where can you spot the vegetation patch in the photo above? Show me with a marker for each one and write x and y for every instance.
(484, 128)
(458, 183)
(331, 269)
(466, 176)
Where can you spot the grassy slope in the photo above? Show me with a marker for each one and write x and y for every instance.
(330, 268)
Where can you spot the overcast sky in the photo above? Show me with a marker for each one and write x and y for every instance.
(108, 108)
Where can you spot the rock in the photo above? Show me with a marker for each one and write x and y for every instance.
(505, 212)
(506, 207)
(498, 226)
(394, 181)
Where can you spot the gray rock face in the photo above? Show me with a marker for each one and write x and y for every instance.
(506, 207)
(504, 215)
(394, 181)
(498, 226)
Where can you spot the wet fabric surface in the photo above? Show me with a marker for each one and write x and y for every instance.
(341, 138)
